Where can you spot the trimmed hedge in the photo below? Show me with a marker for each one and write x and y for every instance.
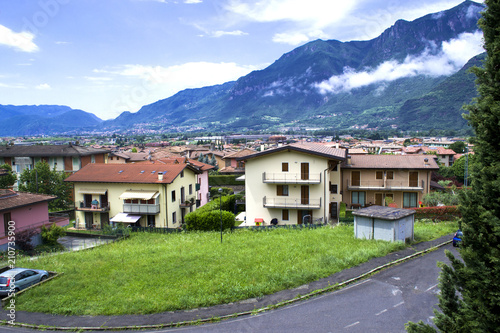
(438, 213)
(209, 220)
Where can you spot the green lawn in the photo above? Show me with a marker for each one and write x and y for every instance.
(149, 273)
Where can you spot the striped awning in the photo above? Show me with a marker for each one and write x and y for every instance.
(143, 195)
(125, 218)
(92, 191)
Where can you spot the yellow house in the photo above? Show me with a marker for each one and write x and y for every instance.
(293, 184)
(158, 195)
(379, 179)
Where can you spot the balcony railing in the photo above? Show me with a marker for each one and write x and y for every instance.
(380, 185)
(151, 209)
(292, 203)
(188, 202)
(291, 178)
(100, 207)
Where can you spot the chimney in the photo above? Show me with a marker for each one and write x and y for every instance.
(160, 176)
(426, 161)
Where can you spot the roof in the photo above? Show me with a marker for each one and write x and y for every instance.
(240, 153)
(10, 199)
(49, 150)
(307, 148)
(392, 162)
(139, 173)
(385, 213)
(176, 160)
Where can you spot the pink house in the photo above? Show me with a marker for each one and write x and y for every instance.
(20, 211)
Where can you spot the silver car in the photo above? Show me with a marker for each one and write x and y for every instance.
(17, 279)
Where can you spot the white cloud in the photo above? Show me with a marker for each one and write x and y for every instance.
(452, 56)
(43, 86)
(22, 41)
(193, 1)
(221, 33)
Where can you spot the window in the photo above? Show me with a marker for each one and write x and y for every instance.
(92, 158)
(333, 188)
(355, 178)
(174, 218)
(284, 215)
(413, 179)
(111, 158)
(284, 167)
(173, 196)
(390, 174)
(379, 175)
(409, 199)
(182, 173)
(190, 189)
(282, 190)
(358, 198)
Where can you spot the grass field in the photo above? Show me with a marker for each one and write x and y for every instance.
(150, 273)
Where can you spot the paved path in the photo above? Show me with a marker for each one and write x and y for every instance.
(80, 243)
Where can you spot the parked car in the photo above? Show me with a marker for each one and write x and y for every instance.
(17, 279)
(457, 238)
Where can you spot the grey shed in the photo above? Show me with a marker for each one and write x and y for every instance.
(384, 223)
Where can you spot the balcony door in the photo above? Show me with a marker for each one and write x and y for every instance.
(87, 198)
(413, 179)
(355, 178)
(304, 195)
(304, 171)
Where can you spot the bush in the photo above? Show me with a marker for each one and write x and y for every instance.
(209, 220)
(214, 191)
(52, 234)
(23, 239)
(438, 213)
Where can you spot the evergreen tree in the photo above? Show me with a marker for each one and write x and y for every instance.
(200, 158)
(470, 290)
(9, 179)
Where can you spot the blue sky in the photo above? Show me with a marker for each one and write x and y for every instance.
(110, 56)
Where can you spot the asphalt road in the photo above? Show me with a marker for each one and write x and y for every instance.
(382, 303)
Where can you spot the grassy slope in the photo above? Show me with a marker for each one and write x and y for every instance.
(151, 273)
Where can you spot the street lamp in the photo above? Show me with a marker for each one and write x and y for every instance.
(220, 210)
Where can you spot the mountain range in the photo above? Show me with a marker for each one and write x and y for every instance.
(407, 78)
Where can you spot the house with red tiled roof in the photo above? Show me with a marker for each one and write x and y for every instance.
(376, 179)
(143, 194)
(442, 155)
(293, 184)
(20, 211)
(203, 190)
(233, 162)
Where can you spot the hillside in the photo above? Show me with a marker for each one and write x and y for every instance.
(311, 85)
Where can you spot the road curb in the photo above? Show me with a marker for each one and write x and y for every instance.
(234, 315)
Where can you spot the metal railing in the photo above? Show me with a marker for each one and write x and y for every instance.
(393, 185)
(141, 208)
(287, 202)
(291, 178)
(83, 206)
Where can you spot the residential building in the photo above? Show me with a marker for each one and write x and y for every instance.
(121, 157)
(65, 158)
(370, 179)
(20, 211)
(293, 184)
(442, 155)
(234, 162)
(144, 194)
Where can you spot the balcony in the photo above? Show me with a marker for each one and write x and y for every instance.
(291, 178)
(388, 185)
(188, 202)
(292, 203)
(141, 208)
(88, 207)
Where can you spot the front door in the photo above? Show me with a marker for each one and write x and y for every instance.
(304, 216)
(89, 217)
(333, 210)
(304, 171)
(6, 219)
(378, 199)
(104, 219)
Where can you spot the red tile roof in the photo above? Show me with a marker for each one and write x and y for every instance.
(177, 160)
(308, 148)
(140, 173)
(391, 162)
(10, 199)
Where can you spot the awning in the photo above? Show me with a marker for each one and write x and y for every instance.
(144, 195)
(125, 218)
(92, 191)
(240, 178)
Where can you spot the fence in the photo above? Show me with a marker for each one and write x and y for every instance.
(284, 226)
(155, 230)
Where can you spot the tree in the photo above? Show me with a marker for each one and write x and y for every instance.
(470, 291)
(458, 147)
(9, 179)
(45, 181)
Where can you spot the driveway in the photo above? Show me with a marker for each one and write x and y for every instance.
(80, 243)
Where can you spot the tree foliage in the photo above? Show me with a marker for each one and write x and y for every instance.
(9, 179)
(470, 288)
(42, 180)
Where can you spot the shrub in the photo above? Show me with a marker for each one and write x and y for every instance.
(437, 213)
(209, 220)
(214, 191)
(342, 209)
(23, 239)
(52, 234)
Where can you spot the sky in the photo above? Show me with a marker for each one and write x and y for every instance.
(110, 56)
